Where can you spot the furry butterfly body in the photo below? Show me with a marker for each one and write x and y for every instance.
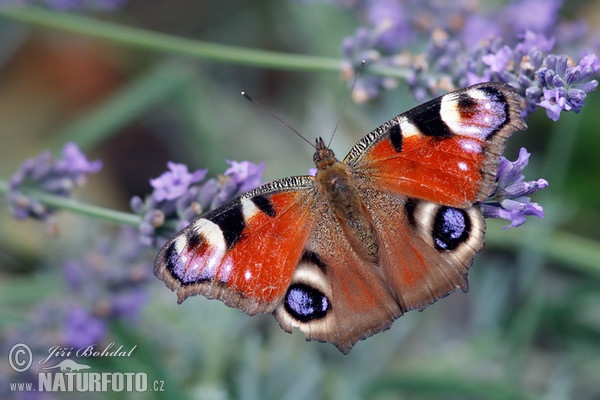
(391, 228)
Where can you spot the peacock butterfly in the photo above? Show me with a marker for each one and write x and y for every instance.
(342, 254)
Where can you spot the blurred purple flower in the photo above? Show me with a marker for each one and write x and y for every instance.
(175, 183)
(74, 162)
(46, 174)
(129, 304)
(108, 284)
(498, 61)
(392, 24)
(44, 327)
(530, 41)
(534, 15)
(511, 201)
(245, 175)
(83, 329)
(356, 49)
(477, 29)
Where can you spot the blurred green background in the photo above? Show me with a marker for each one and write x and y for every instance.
(528, 328)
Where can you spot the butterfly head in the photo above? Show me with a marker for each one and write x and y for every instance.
(324, 157)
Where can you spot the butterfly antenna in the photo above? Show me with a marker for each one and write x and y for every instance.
(277, 117)
(339, 120)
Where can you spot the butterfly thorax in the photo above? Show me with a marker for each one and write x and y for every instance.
(338, 188)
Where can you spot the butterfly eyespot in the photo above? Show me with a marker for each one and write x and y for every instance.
(305, 303)
(451, 227)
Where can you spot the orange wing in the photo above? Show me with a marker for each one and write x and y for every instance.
(244, 252)
(335, 294)
(446, 150)
(426, 248)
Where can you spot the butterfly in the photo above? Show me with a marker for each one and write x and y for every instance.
(342, 254)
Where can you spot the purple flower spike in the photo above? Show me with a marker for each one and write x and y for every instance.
(499, 60)
(174, 183)
(108, 284)
(245, 174)
(437, 47)
(49, 175)
(531, 41)
(511, 201)
(564, 87)
(75, 162)
(83, 329)
(392, 24)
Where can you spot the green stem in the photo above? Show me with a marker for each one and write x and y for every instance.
(161, 42)
(64, 203)
(90, 210)
(164, 43)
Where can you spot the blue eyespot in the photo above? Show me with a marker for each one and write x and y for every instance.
(451, 227)
(305, 303)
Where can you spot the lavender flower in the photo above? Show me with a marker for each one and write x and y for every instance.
(245, 175)
(535, 15)
(82, 328)
(510, 201)
(392, 23)
(49, 175)
(179, 196)
(43, 328)
(174, 184)
(109, 284)
(356, 50)
(464, 46)
(565, 87)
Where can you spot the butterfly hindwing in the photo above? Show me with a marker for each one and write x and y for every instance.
(244, 252)
(335, 295)
(425, 251)
(426, 248)
(445, 150)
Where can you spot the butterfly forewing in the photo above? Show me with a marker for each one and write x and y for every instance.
(446, 150)
(244, 252)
